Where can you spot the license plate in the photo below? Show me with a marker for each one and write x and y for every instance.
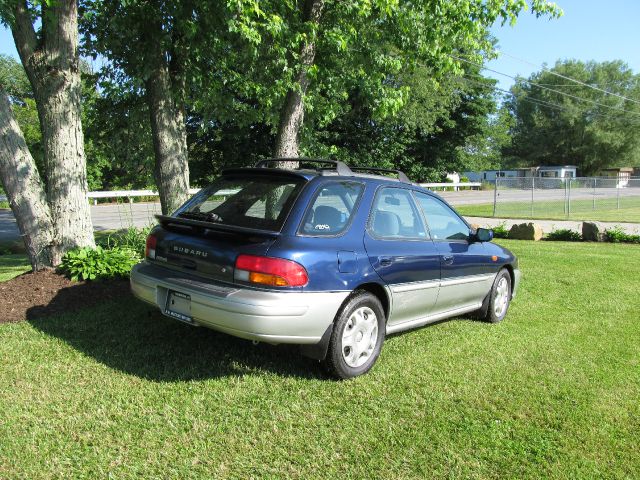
(178, 306)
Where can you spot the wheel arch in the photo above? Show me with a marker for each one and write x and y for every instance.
(380, 293)
(319, 351)
(509, 268)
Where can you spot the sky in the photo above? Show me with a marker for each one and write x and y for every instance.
(589, 30)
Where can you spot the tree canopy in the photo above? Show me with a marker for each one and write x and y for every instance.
(593, 125)
(383, 67)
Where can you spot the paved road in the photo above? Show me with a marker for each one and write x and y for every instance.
(471, 197)
(115, 216)
(105, 217)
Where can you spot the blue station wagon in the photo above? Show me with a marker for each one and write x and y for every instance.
(329, 257)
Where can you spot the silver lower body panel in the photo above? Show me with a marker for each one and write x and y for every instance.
(516, 282)
(266, 316)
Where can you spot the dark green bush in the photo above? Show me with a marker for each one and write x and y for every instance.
(617, 235)
(500, 231)
(565, 235)
(98, 263)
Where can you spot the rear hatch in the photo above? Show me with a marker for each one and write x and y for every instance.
(208, 253)
(241, 213)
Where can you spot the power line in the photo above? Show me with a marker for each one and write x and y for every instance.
(593, 87)
(540, 102)
(545, 88)
(536, 101)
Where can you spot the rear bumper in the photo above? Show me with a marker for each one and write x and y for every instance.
(267, 316)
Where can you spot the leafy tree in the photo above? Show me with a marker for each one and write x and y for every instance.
(57, 220)
(149, 45)
(462, 139)
(311, 55)
(214, 146)
(561, 122)
(119, 142)
(483, 150)
(444, 126)
(14, 81)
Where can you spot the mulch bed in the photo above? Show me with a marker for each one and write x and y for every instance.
(46, 293)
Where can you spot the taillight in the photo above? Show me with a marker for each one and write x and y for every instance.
(150, 249)
(275, 272)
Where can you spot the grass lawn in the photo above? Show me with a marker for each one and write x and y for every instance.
(12, 266)
(551, 392)
(606, 210)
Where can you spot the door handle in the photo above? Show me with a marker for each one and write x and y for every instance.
(385, 261)
(447, 259)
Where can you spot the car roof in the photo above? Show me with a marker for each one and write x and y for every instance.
(326, 168)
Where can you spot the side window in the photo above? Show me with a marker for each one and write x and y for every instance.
(394, 215)
(444, 223)
(331, 208)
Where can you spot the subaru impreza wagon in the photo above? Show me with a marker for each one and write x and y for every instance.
(331, 258)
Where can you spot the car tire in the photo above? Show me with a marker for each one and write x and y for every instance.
(357, 337)
(496, 304)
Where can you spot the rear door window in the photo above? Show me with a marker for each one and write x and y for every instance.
(395, 216)
(331, 209)
(258, 201)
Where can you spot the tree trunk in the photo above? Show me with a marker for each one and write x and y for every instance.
(21, 181)
(66, 170)
(169, 135)
(52, 66)
(292, 115)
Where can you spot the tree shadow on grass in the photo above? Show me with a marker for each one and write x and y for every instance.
(128, 335)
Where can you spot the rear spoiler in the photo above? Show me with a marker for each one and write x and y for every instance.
(168, 220)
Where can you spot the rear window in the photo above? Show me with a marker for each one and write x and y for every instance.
(258, 201)
(331, 208)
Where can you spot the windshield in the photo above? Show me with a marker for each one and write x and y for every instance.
(258, 201)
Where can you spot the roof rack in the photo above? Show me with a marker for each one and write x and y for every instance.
(401, 175)
(340, 167)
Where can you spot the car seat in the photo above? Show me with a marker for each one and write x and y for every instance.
(327, 218)
(386, 224)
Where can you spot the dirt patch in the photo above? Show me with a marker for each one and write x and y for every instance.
(46, 293)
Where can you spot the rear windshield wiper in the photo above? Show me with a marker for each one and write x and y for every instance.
(202, 216)
(167, 220)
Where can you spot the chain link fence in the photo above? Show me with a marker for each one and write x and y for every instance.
(587, 198)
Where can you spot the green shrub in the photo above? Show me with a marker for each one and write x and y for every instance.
(500, 231)
(97, 263)
(132, 239)
(617, 235)
(565, 235)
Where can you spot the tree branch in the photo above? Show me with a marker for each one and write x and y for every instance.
(23, 33)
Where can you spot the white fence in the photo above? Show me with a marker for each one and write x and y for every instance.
(131, 194)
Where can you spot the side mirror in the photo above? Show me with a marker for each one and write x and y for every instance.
(483, 235)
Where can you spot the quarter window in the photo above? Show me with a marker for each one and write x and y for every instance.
(331, 209)
(394, 215)
(444, 223)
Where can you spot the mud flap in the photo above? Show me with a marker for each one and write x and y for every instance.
(318, 351)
